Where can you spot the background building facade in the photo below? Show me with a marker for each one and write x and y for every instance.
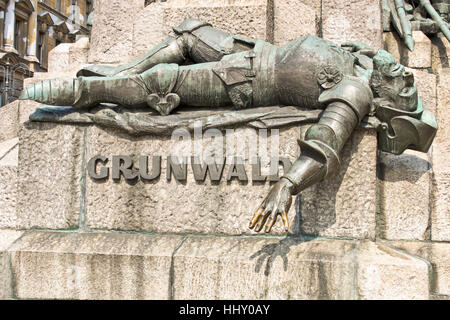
(29, 29)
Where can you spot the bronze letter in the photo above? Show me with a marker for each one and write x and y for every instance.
(179, 169)
(92, 164)
(156, 168)
(123, 165)
(256, 171)
(215, 170)
(237, 170)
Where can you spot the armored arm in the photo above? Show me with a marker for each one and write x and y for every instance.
(347, 104)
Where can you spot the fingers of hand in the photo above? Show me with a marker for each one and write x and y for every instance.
(256, 217)
(263, 220)
(271, 221)
(285, 219)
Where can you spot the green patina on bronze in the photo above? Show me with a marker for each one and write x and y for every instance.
(207, 68)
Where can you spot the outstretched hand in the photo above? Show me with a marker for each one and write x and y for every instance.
(277, 202)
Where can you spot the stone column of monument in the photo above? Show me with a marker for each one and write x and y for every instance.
(32, 39)
(10, 22)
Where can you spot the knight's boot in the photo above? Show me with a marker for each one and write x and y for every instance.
(57, 92)
(86, 92)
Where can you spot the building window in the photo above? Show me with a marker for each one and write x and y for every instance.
(16, 34)
(40, 49)
(20, 36)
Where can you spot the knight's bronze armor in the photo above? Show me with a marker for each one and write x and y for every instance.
(205, 67)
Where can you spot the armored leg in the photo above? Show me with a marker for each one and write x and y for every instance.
(86, 92)
(162, 88)
(194, 40)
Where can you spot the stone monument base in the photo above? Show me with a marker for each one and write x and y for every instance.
(81, 238)
(98, 265)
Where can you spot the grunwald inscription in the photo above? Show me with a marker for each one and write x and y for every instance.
(177, 167)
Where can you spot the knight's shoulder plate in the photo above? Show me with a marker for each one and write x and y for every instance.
(352, 91)
(189, 25)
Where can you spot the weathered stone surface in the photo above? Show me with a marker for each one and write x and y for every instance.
(7, 238)
(440, 53)
(148, 28)
(255, 268)
(12, 116)
(112, 32)
(438, 254)
(441, 212)
(294, 19)
(420, 57)
(393, 44)
(8, 182)
(443, 103)
(179, 207)
(9, 152)
(404, 196)
(68, 56)
(441, 171)
(345, 205)
(385, 273)
(8, 196)
(354, 20)
(9, 121)
(250, 18)
(26, 107)
(49, 189)
(92, 266)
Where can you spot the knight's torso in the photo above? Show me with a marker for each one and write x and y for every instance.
(294, 74)
(305, 66)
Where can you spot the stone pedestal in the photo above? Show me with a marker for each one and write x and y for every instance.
(345, 205)
(441, 171)
(122, 266)
(7, 238)
(57, 193)
(90, 260)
